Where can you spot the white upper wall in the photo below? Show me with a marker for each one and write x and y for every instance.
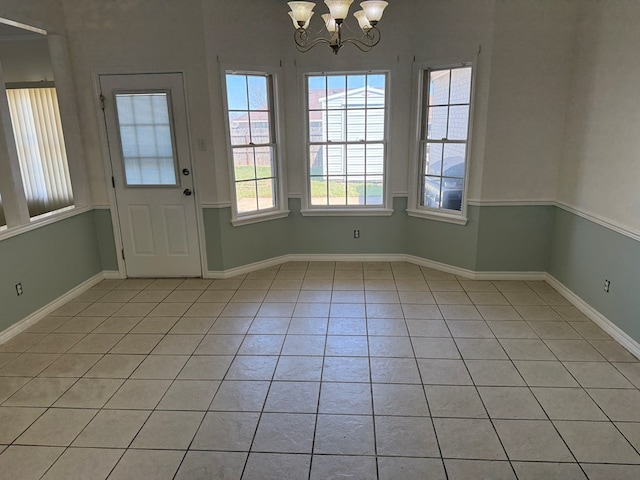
(600, 172)
(530, 81)
(522, 85)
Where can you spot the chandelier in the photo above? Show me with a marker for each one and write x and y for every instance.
(368, 18)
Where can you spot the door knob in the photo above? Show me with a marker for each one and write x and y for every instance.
(187, 192)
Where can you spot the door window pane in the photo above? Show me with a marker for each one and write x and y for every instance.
(146, 137)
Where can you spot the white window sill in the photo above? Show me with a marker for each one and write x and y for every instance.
(347, 212)
(441, 217)
(259, 217)
(42, 220)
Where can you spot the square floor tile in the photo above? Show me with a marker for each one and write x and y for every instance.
(81, 463)
(293, 397)
(156, 464)
(619, 405)
(302, 345)
(468, 438)
(168, 430)
(454, 401)
(253, 367)
(495, 373)
(115, 366)
(393, 468)
(532, 440)
(240, 396)
(406, 437)
(545, 374)
(548, 471)
(597, 375)
(425, 347)
(13, 465)
(208, 465)
(160, 367)
(297, 368)
(15, 420)
(229, 431)
(568, 404)
(346, 369)
(206, 367)
(444, 372)
(285, 433)
(89, 393)
(57, 427)
(189, 395)
(40, 392)
(276, 466)
(344, 435)
(511, 403)
(394, 399)
(345, 398)
(334, 466)
(394, 370)
(112, 429)
(479, 470)
(526, 349)
(597, 442)
(139, 394)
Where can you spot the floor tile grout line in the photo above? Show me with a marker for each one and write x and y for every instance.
(255, 432)
(433, 426)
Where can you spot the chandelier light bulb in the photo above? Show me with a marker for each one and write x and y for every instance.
(373, 10)
(295, 23)
(330, 23)
(363, 21)
(339, 9)
(301, 12)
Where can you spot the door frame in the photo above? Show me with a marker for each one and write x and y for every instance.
(108, 170)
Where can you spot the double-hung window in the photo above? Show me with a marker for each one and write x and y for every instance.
(37, 129)
(346, 128)
(444, 139)
(252, 135)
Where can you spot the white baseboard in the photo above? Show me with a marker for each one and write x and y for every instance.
(112, 274)
(603, 322)
(39, 314)
(390, 257)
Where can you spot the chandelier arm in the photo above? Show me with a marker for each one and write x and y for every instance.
(304, 43)
(369, 40)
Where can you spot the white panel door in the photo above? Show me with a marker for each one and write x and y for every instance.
(146, 122)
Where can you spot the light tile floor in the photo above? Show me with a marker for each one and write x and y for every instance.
(319, 371)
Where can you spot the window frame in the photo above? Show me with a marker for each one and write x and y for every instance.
(280, 210)
(383, 209)
(421, 104)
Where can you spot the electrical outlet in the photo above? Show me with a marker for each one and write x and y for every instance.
(19, 289)
(356, 233)
(607, 285)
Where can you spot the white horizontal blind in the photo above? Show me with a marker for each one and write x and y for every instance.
(37, 128)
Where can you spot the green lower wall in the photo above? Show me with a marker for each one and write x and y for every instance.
(48, 261)
(106, 239)
(494, 238)
(514, 239)
(583, 254)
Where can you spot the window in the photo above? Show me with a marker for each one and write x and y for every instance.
(146, 138)
(37, 129)
(444, 135)
(252, 138)
(346, 139)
